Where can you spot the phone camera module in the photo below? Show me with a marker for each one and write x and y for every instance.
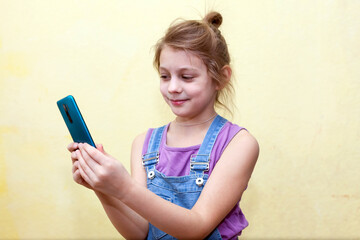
(67, 112)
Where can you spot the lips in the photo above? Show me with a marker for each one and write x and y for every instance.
(177, 102)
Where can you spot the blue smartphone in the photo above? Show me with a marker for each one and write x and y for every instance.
(74, 120)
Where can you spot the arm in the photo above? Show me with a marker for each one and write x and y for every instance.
(130, 224)
(127, 222)
(228, 180)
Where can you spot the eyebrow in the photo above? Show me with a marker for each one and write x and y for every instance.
(181, 68)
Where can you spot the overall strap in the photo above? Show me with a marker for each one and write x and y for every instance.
(151, 158)
(199, 163)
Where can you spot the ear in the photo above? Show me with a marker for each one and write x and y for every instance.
(226, 74)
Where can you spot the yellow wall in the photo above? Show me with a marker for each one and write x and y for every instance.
(298, 79)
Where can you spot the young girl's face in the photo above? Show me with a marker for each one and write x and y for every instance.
(185, 84)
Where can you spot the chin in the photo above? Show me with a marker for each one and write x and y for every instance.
(183, 114)
(179, 113)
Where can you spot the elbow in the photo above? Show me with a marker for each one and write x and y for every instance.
(202, 228)
(135, 236)
(197, 232)
(204, 234)
(199, 235)
(139, 232)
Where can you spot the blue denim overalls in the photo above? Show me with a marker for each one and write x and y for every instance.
(185, 190)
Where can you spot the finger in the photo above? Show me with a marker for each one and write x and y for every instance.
(76, 173)
(86, 172)
(75, 166)
(77, 176)
(72, 146)
(94, 153)
(82, 177)
(73, 156)
(88, 159)
(78, 179)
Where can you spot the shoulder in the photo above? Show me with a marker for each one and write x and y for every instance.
(228, 131)
(240, 136)
(231, 133)
(238, 160)
(139, 140)
(143, 137)
(244, 146)
(246, 140)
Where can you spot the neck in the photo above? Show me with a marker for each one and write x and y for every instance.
(190, 124)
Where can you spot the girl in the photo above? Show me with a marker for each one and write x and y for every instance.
(187, 177)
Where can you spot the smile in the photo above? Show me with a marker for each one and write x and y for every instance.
(177, 102)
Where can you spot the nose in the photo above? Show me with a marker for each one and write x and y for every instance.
(174, 85)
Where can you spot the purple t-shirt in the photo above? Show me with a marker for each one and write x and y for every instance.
(235, 221)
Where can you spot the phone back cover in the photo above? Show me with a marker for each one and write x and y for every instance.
(77, 128)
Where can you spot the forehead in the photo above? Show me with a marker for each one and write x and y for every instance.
(176, 58)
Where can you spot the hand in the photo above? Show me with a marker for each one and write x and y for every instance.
(101, 171)
(72, 147)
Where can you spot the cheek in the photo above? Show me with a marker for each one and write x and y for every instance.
(163, 89)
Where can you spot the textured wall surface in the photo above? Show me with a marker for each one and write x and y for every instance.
(297, 68)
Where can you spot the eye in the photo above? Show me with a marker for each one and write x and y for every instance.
(164, 76)
(187, 77)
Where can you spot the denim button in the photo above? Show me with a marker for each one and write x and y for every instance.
(151, 175)
(199, 181)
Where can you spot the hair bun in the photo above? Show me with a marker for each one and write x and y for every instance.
(213, 18)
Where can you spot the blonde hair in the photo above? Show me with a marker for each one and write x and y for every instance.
(204, 39)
